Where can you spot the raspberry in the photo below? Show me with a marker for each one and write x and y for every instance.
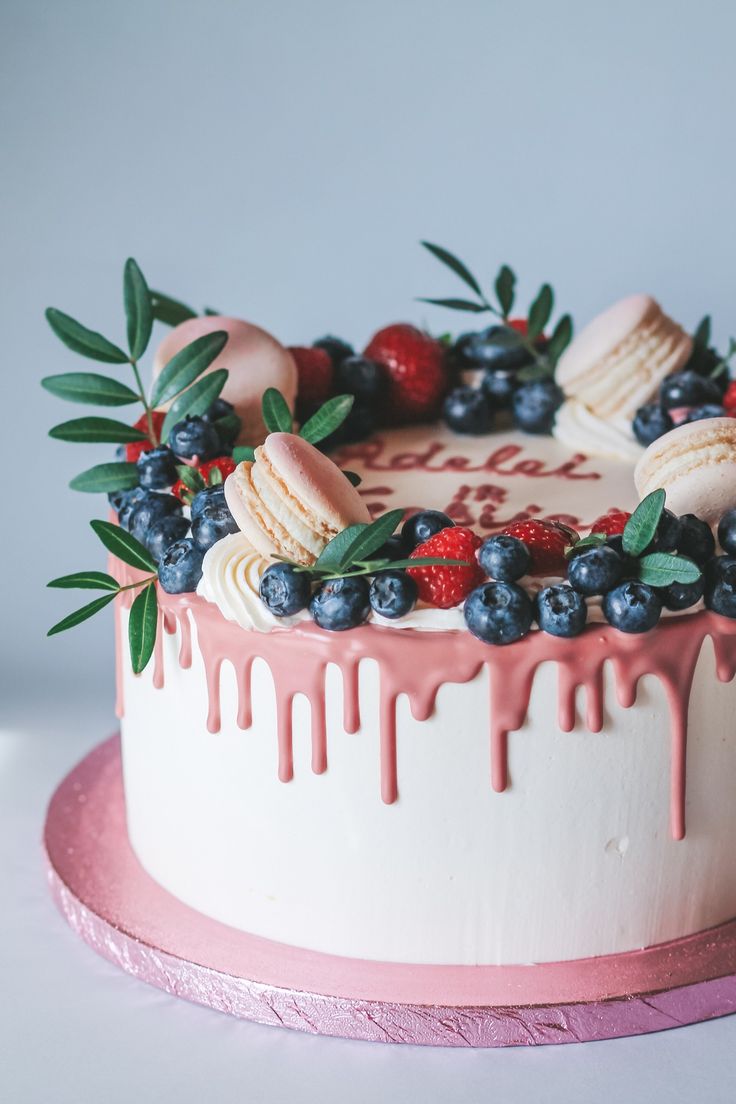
(135, 448)
(415, 366)
(447, 585)
(314, 371)
(612, 523)
(546, 541)
(729, 400)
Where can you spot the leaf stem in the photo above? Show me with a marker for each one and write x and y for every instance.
(143, 582)
(142, 395)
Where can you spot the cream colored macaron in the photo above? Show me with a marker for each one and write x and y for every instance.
(292, 500)
(696, 466)
(254, 359)
(617, 362)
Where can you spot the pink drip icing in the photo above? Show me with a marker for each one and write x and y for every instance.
(417, 664)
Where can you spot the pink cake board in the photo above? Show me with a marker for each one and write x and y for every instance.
(109, 900)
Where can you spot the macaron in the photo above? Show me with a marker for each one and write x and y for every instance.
(617, 362)
(254, 359)
(695, 463)
(292, 500)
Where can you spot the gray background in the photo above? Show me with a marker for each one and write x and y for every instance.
(280, 161)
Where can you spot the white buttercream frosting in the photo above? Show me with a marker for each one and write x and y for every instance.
(583, 431)
(231, 577)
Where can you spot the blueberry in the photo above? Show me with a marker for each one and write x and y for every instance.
(680, 596)
(341, 603)
(727, 532)
(393, 549)
(668, 533)
(128, 501)
(720, 586)
(392, 594)
(595, 570)
(561, 611)
(468, 410)
(195, 437)
(226, 423)
(709, 410)
(498, 613)
(220, 408)
(629, 565)
(632, 607)
(535, 404)
(359, 424)
(151, 507)
(284, 590)
(704, 361)
(504, 558)
(213, 522)
(366, 379)
(695, 540)
(157, 468)
(497, 346)
(180, 567)
(214, 495)
(420, 527)
(336, 349)
(650, 423)
(499, 385)
(165, 532)
(688, 389)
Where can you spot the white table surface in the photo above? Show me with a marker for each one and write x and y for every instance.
(75, 1030)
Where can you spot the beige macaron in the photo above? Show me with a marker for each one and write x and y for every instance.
(292, 500)
(617, 362)
(696, 466)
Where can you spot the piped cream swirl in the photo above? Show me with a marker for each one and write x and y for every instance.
(231, 577)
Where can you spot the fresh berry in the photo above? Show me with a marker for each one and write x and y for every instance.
(213, 522)
(703, 360)
(220, 408)
(688, 389)
(720, 586)
(595, 570)
(729, 400)
(499, 385)
(224, 464)
(117, 499)
(420, 527)
(546, 542)
(727, 532)
(695, 539)
(314, 373)
(535, 404)
(468, 410)
(227, 423)
(364, 378)
(667, 536)
(504, 558)
(650, 423)
(680, 596)
(414, 363)
(611, 523)
(341, 604)
(128, 503)
(561, 611)
(392, 594)
(700, 413)
(499, 613)
(336, 349)
(180, 567)
(165, 532)
(284, 590)
(207, 496)
(151, 507)
(359, 424)
(497, 347)
(447, 585)
(194, 437)
(134, 448)
(632, 607)
(156, 468)
(395, 548)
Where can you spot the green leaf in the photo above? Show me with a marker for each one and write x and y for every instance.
(352, 477)
(593, 540)
(170, 311)
(210, 312)
(190, 477)
(702, 332)
(541, 369)
(427, 561)
(85, 580)
(116, 476)
(540, 311)
(244, 452)
(456, 304)
(561, 338)
(123, 545)
(186, 366)
(228, 426)
(332, 554)
(79, 339)
(326, 420)
(371, 538)
(80, 615)
(505, 289)
(138, 312)
(663, 568)
(97, 431)
(88, 387)
(214, 477)
(142, 627)
(276, 413)
(642, 525)
(455, 265)
(195, 400)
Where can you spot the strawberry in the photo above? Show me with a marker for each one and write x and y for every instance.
(612, 523)
(225, 465)
(314, 370)
(448, 585)
(415, 366)
(546, 540)
(729, 400)
(135, 448)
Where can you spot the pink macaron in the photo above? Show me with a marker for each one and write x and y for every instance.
(696, 466)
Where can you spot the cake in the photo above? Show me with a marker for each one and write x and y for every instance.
(513, 749)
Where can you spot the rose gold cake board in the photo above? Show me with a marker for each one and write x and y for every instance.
(109, 900)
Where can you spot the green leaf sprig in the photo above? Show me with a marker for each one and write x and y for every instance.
(504, 291)
(704, 355)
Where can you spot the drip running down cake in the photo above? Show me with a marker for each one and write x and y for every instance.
(425, 654)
